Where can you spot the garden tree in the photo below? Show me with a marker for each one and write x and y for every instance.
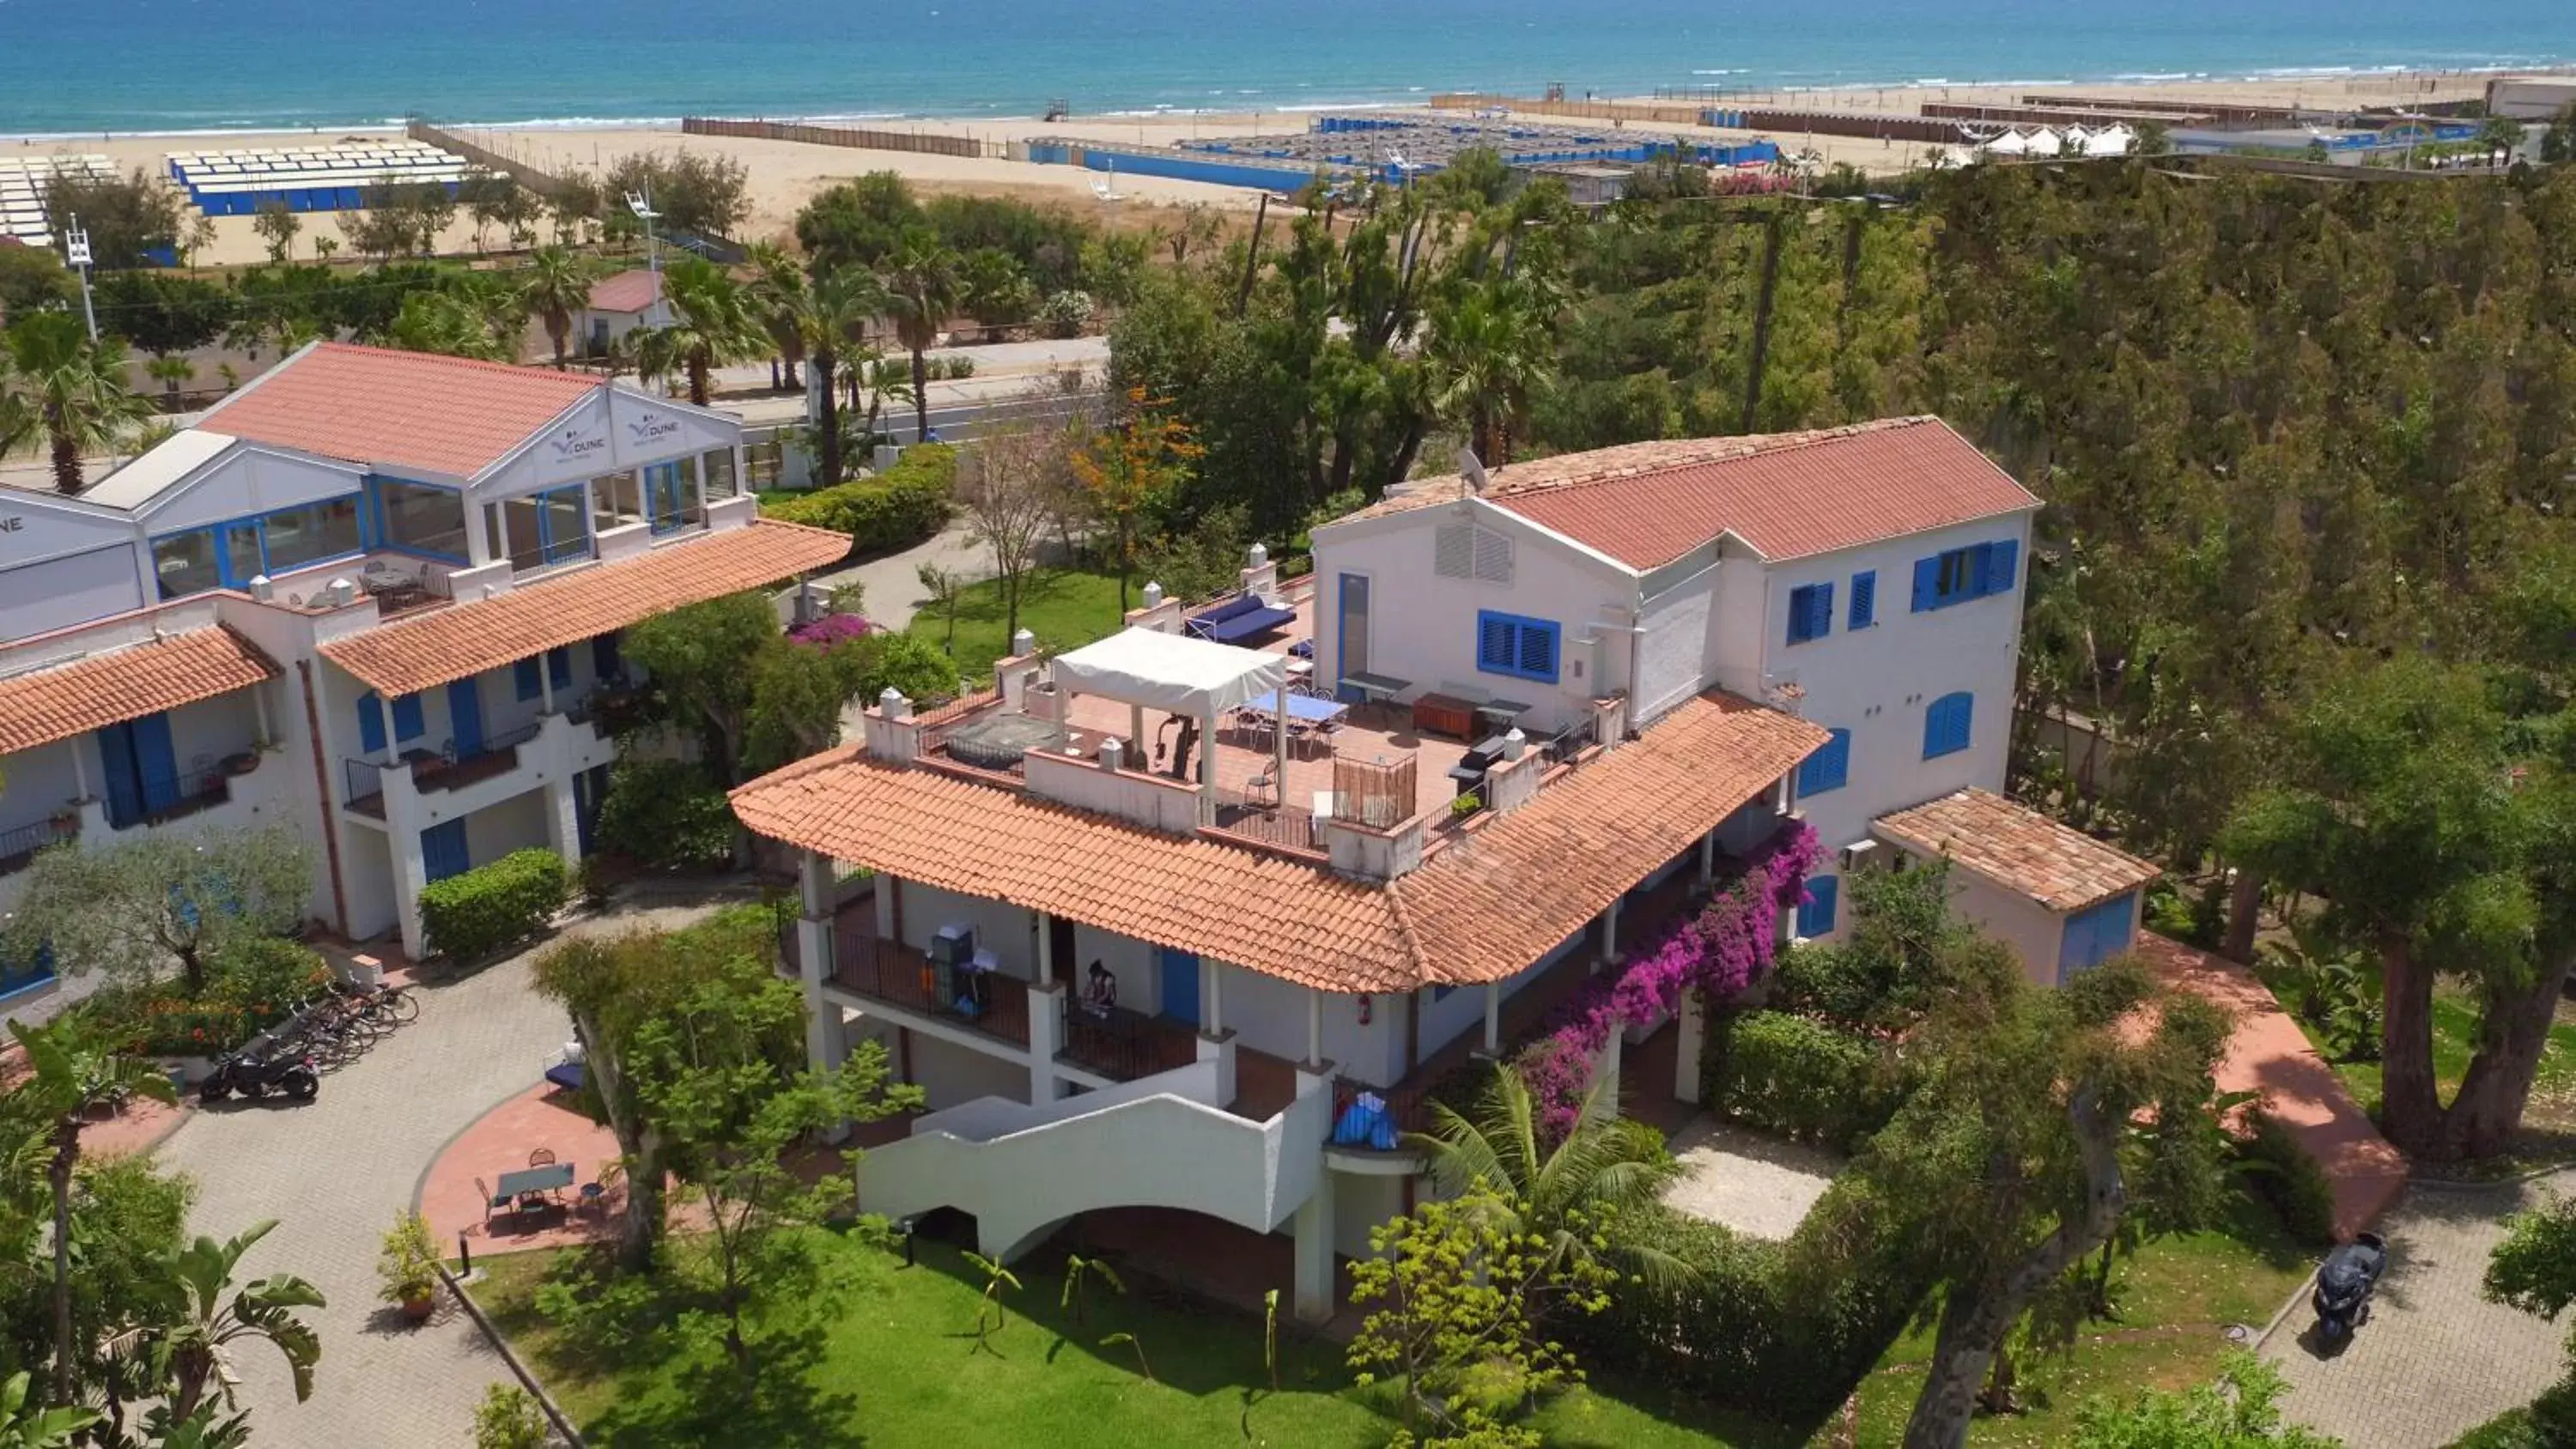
(161, 313)
(276, 225)
(921, 291)
(712, 325)
(942, 586)
(2558, 143)
(1009, 485)
(1128, 471)
(173, 373)
(1557, 1193)
(131, 908)
(574, 206)
(1453, 1296)
(447, 323)
(993, 289)
(2439, 843)
(125, 1219)
(57, 385)
(1195, 227)
(776, 282)
(700, 192)
(823, 316)
(190, 1352)
(2240, 1411)
(1489, 350)
(884, 382)
(127, 217)
(380, 232)
(1113, 265)
(721, 1070)
(2011, 1162)
(799, 690)
(859, 223)
(695, 653)
(71, 1070)
(486, 198)
(33, 279)
(555, 287)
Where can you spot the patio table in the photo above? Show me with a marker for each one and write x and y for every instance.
(1302, 708)
(528, 1182)
(1380, 688)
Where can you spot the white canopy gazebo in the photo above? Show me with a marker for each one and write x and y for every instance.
(1181, 676)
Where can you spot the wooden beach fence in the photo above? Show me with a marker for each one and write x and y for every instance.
(859, 138)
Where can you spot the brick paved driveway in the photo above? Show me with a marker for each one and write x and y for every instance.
(2436, 1359)
(335, 1171)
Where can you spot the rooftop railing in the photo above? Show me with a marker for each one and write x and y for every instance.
(18, 847)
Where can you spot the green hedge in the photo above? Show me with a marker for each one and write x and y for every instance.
(472, 915)
(1795, 1077)
(895, 509)
(666, 814)
(2282, 1173)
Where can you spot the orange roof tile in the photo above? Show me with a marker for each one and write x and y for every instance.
(1481, 910)
(1788, 495)
(2013, 845)
(55, 704)
(448, 644)
(632, 290)
(444, 415)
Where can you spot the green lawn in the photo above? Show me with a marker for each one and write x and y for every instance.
(1065, 608)
(901, 1369)
(2455, 1030)
(2179, 1294)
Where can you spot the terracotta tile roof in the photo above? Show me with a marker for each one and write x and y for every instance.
(1504, 896)
(448, 644)
(632, 290)
(2056, 865)
(1788, 495)
(55, 704)
(445, 415)
(1481, 910)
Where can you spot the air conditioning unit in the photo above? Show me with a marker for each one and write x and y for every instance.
(1861, 853)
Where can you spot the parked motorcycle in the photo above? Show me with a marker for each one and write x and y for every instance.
(258, 1069)
(2344, 1283)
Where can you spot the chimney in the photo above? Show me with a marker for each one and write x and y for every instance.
(261, 589)
(1113, 754)
(341, 593)
(894, 704)
(1023, 644)
(1153, 595)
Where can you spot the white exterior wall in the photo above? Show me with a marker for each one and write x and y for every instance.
(2036, 933)
(1269, 1015)
(950, 1074)
(1125, 957)
(1003, 929)
(1681, 618)
(515, 824)
(1362, 1201)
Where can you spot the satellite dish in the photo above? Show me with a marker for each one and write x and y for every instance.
(1472, 468)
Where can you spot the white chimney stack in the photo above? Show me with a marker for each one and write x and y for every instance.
(1113, 753)
(1257, 555)
(1023, 644)
(342, 593)
(894, 704)
(1153, 595)
(261, 589)
(1514, 742)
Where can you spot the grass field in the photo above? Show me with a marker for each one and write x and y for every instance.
(1065, 608)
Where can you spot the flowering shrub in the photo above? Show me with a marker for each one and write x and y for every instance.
(831, 629)
(1722, 950)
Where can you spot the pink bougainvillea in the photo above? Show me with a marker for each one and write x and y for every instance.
(1724, 948)
(831, 629)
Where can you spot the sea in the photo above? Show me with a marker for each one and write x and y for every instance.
(69, 67)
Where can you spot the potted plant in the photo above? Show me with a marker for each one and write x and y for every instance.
(409, 1267)
(242, 763)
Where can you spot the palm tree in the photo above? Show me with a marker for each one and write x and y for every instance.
(712, 325)
(778, 291)
(71, 1071)
(829, 314)
(884, 383)
(173, 372)
(1600, 1164)
(32, 1426)
(71, 390)
(922, 289)
(191, 1354)
(1488, 352)
(557, 286)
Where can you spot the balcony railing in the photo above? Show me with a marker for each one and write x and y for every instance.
(497, 755)
(1124, 1045)
(159, 799)
(1565, 744)
(1279, 826)
(18, 847)
(992, 1002)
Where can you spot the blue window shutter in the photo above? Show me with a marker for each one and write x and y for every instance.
(1947, 724)
(1864, 600)
(371, 724)
(1829, 768)
(559, 667)
(2001, 559)
(1495, 638)
(1538, 651)
(1816, 914)
(523, 678)
(603, 656)
(407, 719)
(1820, 619)
(1927, 583)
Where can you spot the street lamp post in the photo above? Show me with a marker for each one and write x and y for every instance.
(76, 251)
(642, 205)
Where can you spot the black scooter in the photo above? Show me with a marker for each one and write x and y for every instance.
(254, 1073)
(2344, 1283)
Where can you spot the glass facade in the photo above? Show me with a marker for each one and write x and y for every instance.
(420, 519)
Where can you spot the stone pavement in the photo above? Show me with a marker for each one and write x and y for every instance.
(2435, 1359)
(335, 1171)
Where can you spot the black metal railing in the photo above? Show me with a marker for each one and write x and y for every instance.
(495, 755)
(993, 1002)
(19, 846)
(154, 799)
(1260, 818)
(1575, 738)
(365, 781)
(1124, 1045)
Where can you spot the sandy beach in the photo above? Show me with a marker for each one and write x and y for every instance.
(784, 174)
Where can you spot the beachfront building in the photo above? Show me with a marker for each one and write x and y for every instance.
(1144, 942)
(618, 305)
(371, 597)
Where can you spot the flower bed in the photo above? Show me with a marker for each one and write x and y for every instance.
(1722, 949)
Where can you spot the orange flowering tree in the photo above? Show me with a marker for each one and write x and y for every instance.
(1131, 469)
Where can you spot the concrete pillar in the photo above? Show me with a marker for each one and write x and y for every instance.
(1690, 1035)
(1610, 931)
(817, 951)
(1217, 1047)
(1708, 857)
(1314, 1025)
(1212, 993)
(1046, 946)
(80, 769)
(1493, 1018)
(563, 822)
(411, 873)
(1207, 765)
(1046, 1032)
(1312, 1295)
(886, 887)
(545, 686)
(1605, 1103)
(259, 716)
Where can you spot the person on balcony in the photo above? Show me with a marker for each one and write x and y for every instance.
(1100, 991)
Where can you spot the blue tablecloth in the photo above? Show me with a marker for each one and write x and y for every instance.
(1305, 707)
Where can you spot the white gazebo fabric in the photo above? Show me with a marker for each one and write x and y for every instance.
(1170, 672)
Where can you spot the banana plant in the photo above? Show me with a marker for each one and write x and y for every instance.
(193, 1353)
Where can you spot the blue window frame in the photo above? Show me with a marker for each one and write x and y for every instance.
(1829, 768)
(1864, 600)
(1811, 612)
(563, 531)
(1963, 574)
(523, 672)
(1947, 724)
(1522, 648)
(232, 553)
(2096, 934)
(1824, 901)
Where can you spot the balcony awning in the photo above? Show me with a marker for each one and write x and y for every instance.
(45, 705)
(448, 644)
(1170, 672)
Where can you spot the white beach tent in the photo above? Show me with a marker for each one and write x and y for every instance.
(2043, 142)
(2010, 143)
(1196, 678)
(2115, 139)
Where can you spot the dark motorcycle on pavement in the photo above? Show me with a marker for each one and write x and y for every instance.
(260, 1068)
(2344, 1283)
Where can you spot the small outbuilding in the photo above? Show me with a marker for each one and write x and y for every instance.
(2061, 899)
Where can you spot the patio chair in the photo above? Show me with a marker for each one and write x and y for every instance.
(493, 1203)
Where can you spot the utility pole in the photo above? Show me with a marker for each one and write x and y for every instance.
(641, 203)
(76, 251)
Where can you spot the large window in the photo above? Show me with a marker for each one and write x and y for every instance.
(617, 499)
(185, 564)
(545, 528)
(230, 555)
(300, 536)
(1521, 648)
(719, 473)
(417, 518)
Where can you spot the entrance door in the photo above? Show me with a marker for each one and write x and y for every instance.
(142, 769)
(465, 717)
(1350, 648)
(442, 850)
(1181, 985)
(588, 788)
(1060, 949)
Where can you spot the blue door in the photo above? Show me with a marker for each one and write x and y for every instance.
(442, 850)
(2096, 935)
(1181, 985)
(589, 787)
(465, 717)
(142, 769)
(662, 500)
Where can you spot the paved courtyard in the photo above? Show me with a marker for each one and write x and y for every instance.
(335, 1171)
(2435, 1359)
(1756, 1184)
